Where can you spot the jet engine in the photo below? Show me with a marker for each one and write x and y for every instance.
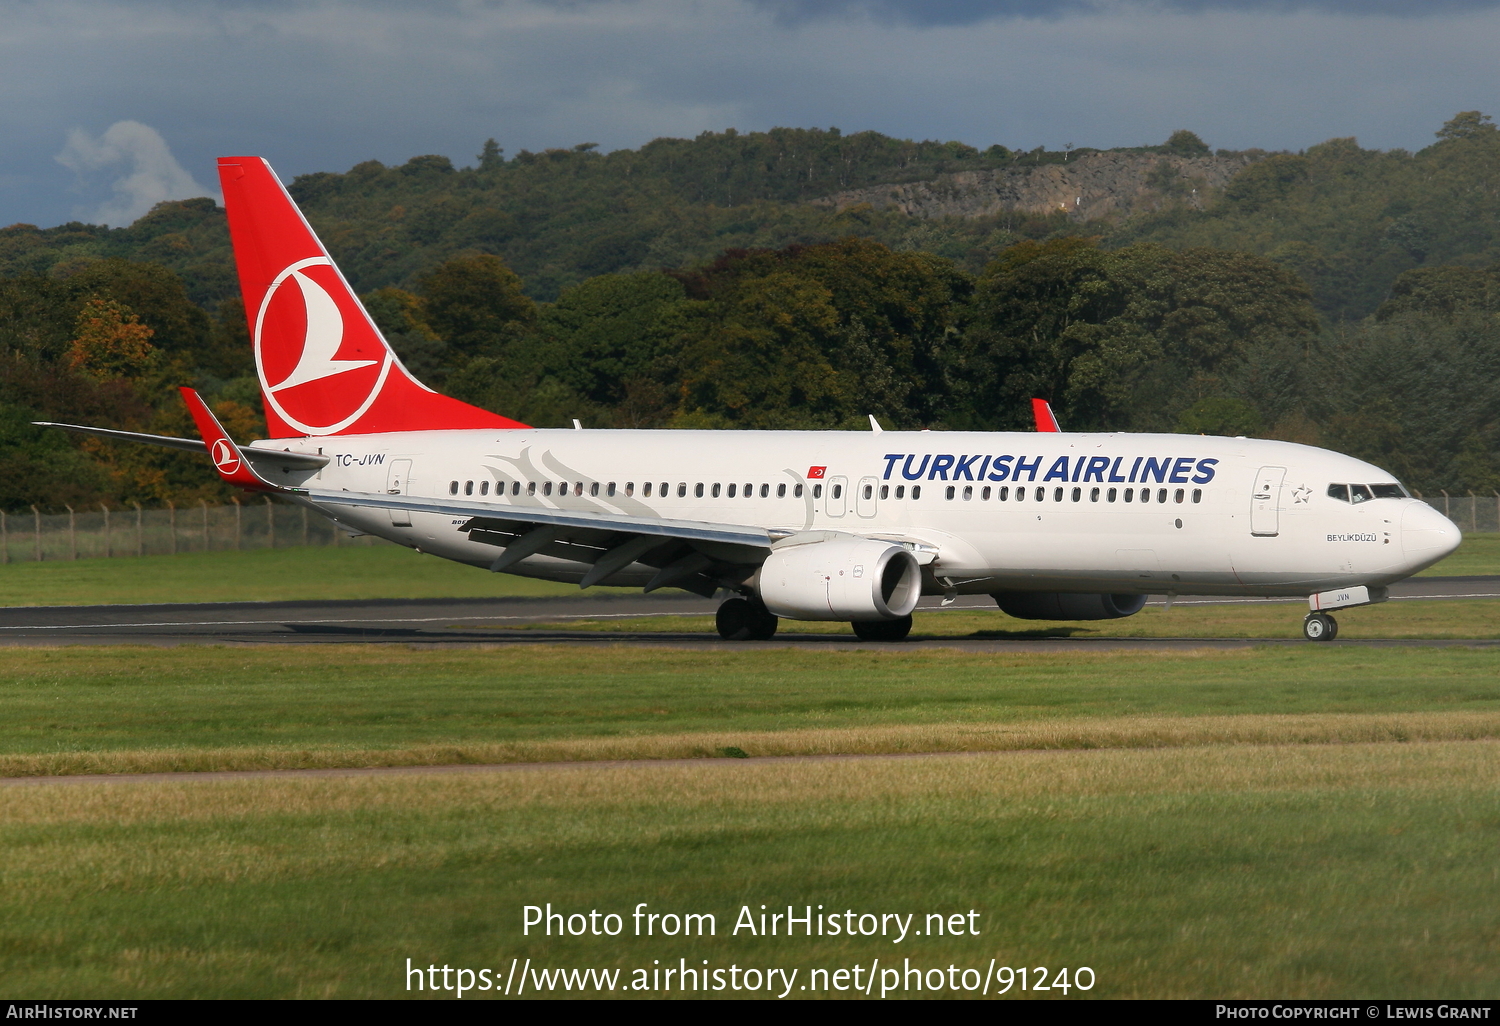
(1052, 605)
(840, 577)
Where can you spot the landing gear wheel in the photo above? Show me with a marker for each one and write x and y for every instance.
(745, 620)
(883, 630)
(1320, 627)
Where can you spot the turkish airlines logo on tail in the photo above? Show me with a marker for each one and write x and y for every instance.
(224, 457)
(300, 330)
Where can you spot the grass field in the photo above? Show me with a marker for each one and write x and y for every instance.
(1313, 871)
(358, 572)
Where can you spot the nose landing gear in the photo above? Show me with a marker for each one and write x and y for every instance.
(1320, 627)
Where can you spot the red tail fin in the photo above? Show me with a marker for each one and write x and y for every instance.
(1041, 409)
(324, 368)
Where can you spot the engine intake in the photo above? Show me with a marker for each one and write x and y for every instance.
(840, 577)
(1052, 605)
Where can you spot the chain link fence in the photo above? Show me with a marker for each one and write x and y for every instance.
(1470, 512)
(105, 532)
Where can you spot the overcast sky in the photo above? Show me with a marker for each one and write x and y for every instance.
(110, 106)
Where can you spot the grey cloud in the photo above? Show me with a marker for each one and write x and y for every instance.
(969, 12)
(151, 173)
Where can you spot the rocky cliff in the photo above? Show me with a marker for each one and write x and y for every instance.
(1093, 186)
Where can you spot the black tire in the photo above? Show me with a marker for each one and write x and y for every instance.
(1320, 627)
(883, 630)
(745, 620)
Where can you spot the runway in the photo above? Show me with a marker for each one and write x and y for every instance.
(503, 621)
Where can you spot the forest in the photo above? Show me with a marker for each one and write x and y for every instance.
(1339, 296)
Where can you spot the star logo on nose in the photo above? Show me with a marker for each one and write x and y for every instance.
(1301, 494)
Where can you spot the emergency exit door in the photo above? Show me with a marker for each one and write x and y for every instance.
(1265, 502)
(395, 484)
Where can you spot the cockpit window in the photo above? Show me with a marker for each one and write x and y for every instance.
(1364, 493)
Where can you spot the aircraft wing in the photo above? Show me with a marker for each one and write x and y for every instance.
(687, 554)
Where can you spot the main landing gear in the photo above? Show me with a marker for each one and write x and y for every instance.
(883, 630)
(1320, 627)
(741, 619)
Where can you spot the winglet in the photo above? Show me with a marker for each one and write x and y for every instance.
(1042, 411)
(875, 425)
(228, 460)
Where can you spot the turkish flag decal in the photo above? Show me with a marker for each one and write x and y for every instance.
(814, 473)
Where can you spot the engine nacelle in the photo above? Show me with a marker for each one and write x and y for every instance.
(1052, 605)
(840, 577)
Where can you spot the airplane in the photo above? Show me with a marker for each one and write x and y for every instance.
(850, 526)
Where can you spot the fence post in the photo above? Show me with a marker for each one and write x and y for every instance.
(1497, 509)
(203, 505)
(36, 516)
(72, 532)
(304, 526)
(107, 550)
(172, 525)
(1473, 513)
(237, 525)
(4, 539)
(1445, 503)
(270, 524)
(140, 541)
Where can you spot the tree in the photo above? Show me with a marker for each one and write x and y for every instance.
(491, 157)
(1186, 144)
(475, 304)
(109, 340)
(1467, 124)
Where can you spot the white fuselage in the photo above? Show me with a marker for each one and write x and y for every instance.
(1223, 516)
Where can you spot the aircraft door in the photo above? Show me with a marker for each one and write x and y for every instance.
(1265, 502)
(864, 496)
(395, 484)
(838, 496)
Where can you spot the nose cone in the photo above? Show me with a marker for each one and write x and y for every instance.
(1426, 535)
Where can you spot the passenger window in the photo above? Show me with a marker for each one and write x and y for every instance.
(985, 494)
(1077, 494)
(838, 491)
(1057, 495)
(578, 488)
(468, 487)
(594, 488)
(796, 491)
(901, 491)
(1093, 495)
(869, 491)
(629, 488)
(546, 487)
(530, 487)
(1041, 493)
(1161, 495)
(732, 489)
(1145, 495)
(1020, 494)
(1360, 493)
(452, 487)
(916, 491)
(1109, 496)
(646, 490)
(1177, 496)
(765, 491)
(698, 490)
(1004, 493)
(484, 488)
(885, 491)
(817, 491)
(666, 488)
(781, 491)
(1197, 494)
(1129, 494)
(682, 490)
(1339, 492)
(610, 490)
(716, 489)
(949, 491)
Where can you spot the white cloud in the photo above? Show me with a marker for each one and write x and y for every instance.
(152, 176)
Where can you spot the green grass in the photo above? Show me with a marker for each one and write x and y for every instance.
(88, 709)
(359, 572)
(263, 575)
(1329, 871)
